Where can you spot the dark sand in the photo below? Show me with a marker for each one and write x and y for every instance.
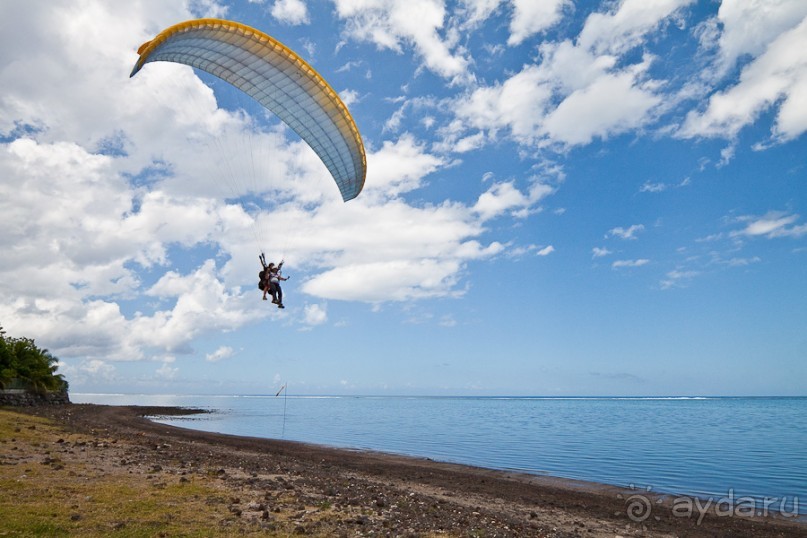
(373, 494)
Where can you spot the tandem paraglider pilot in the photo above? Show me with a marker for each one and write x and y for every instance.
(270, 278)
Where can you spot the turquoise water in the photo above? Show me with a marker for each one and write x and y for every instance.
(704, 447)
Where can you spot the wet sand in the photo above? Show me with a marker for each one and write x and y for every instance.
(284, 486)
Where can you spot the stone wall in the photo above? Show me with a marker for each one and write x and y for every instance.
(21, 398)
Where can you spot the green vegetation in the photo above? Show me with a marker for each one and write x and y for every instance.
(23, 365)
(58, 483)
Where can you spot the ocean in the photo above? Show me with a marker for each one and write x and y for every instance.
(721, 449)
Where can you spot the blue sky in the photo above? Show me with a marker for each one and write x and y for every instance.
(563, 198)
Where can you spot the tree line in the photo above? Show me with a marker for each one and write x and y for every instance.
(23, 365)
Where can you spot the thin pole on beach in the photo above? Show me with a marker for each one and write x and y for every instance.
(285, 399)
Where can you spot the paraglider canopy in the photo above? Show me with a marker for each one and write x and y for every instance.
(278, 79)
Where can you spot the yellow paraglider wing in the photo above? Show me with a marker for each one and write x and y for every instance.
(278, 79)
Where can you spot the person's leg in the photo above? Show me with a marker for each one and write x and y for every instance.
(273, 291)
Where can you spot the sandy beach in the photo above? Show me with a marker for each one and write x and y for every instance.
(170, 481)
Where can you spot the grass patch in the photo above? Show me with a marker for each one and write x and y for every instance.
(55, 483)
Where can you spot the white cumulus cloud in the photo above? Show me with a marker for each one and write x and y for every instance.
(776, 77)
(223, 352)
(621, 264)
(625, 233)
(290, 11)
(773, 224)
(393, 24)
(315, 314)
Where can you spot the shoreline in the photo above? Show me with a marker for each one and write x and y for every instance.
(350, 492)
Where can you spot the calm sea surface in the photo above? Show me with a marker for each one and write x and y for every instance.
(705, 447)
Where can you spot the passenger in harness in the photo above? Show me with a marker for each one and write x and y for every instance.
(270, 278)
